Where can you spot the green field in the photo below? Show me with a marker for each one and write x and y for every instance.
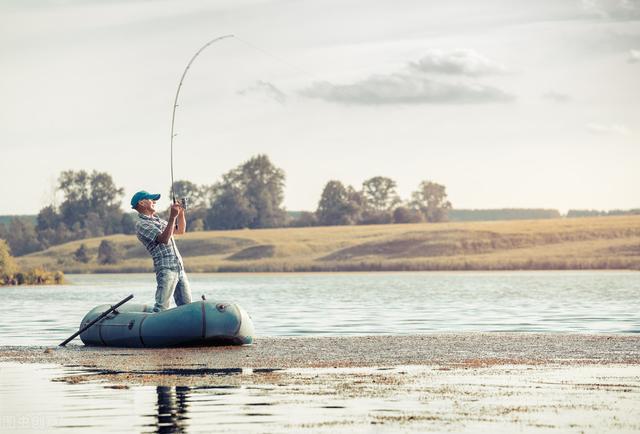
(582, 243)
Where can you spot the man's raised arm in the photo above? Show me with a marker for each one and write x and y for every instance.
(182, 222)
(166, 235)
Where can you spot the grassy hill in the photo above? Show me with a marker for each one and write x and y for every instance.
(585, 243)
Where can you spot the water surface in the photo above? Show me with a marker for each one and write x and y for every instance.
(353, 303)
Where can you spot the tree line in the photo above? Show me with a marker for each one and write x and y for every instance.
(249, 196)
(376, 202)
(573, 213)
(503, 214)
(91, 208)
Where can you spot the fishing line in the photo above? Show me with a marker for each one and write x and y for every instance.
(273, 56)
(184, 74)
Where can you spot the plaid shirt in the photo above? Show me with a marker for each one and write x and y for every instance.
(164, 255)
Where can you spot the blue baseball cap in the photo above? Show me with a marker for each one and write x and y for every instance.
(142, 195)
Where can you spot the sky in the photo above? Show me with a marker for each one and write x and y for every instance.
(508, 103)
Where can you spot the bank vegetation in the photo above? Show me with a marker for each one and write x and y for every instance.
(12, 274)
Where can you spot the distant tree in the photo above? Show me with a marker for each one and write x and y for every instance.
(594, 213)
(305, 219)
(86, 193)
(199, 198)
(502, 214)
(431, 200)
(230, 210)
(91, 207)
(404, 214)
(47, 218)
(585, 213)
(380, 194)
(112, 221)
(333, 205)
(49, 237)
(376, 218)
(338, 205)
(357, 204)
(105, 196)
(128, 223)
(196, 225)
(93, 224)
(21, 236)
(82, 254)
(7, 264)
(251, 194)
(4, 232)
(108, 253)
(48, 229)
(263, 186)
(77, 203)
(379, 197)
(196, 195)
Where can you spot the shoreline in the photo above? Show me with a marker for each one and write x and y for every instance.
(437, 349)
(286, 273)
(353, 269)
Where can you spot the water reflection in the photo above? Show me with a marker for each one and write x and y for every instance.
(173, 402)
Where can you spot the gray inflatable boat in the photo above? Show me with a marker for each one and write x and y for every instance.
(197, 323)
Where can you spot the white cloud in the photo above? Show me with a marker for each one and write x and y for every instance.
(610, 129)
(404, 88)
(413, 85)
(267, 89)
(634, 56)
(612, 9)
(457, 62)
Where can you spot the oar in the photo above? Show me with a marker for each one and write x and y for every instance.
(102, 315)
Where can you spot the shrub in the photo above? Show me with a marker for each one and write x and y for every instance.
(305, 219)
(402, 214)
(108, 253)
(82, 254)
(7, 264)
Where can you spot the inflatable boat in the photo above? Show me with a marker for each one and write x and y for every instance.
(197, 323)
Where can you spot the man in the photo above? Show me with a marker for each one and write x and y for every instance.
(157, 236)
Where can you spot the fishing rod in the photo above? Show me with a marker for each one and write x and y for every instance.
(184, 74)
(175, 102)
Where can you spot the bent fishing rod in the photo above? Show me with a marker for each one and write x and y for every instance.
(175, 102)
(184, 74)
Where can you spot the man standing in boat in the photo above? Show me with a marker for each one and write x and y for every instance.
(156, 235)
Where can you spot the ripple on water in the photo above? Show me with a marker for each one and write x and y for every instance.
(355, 304)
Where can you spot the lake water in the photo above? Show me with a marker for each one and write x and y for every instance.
(32, 401)
(237, 408)
(353, 303)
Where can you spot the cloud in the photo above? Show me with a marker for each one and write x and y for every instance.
(402, 88)
(457, 62)
(557, 97)
(612, 9)
(612, 129)
(634, 56)
(414, 84)
(267, 89)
